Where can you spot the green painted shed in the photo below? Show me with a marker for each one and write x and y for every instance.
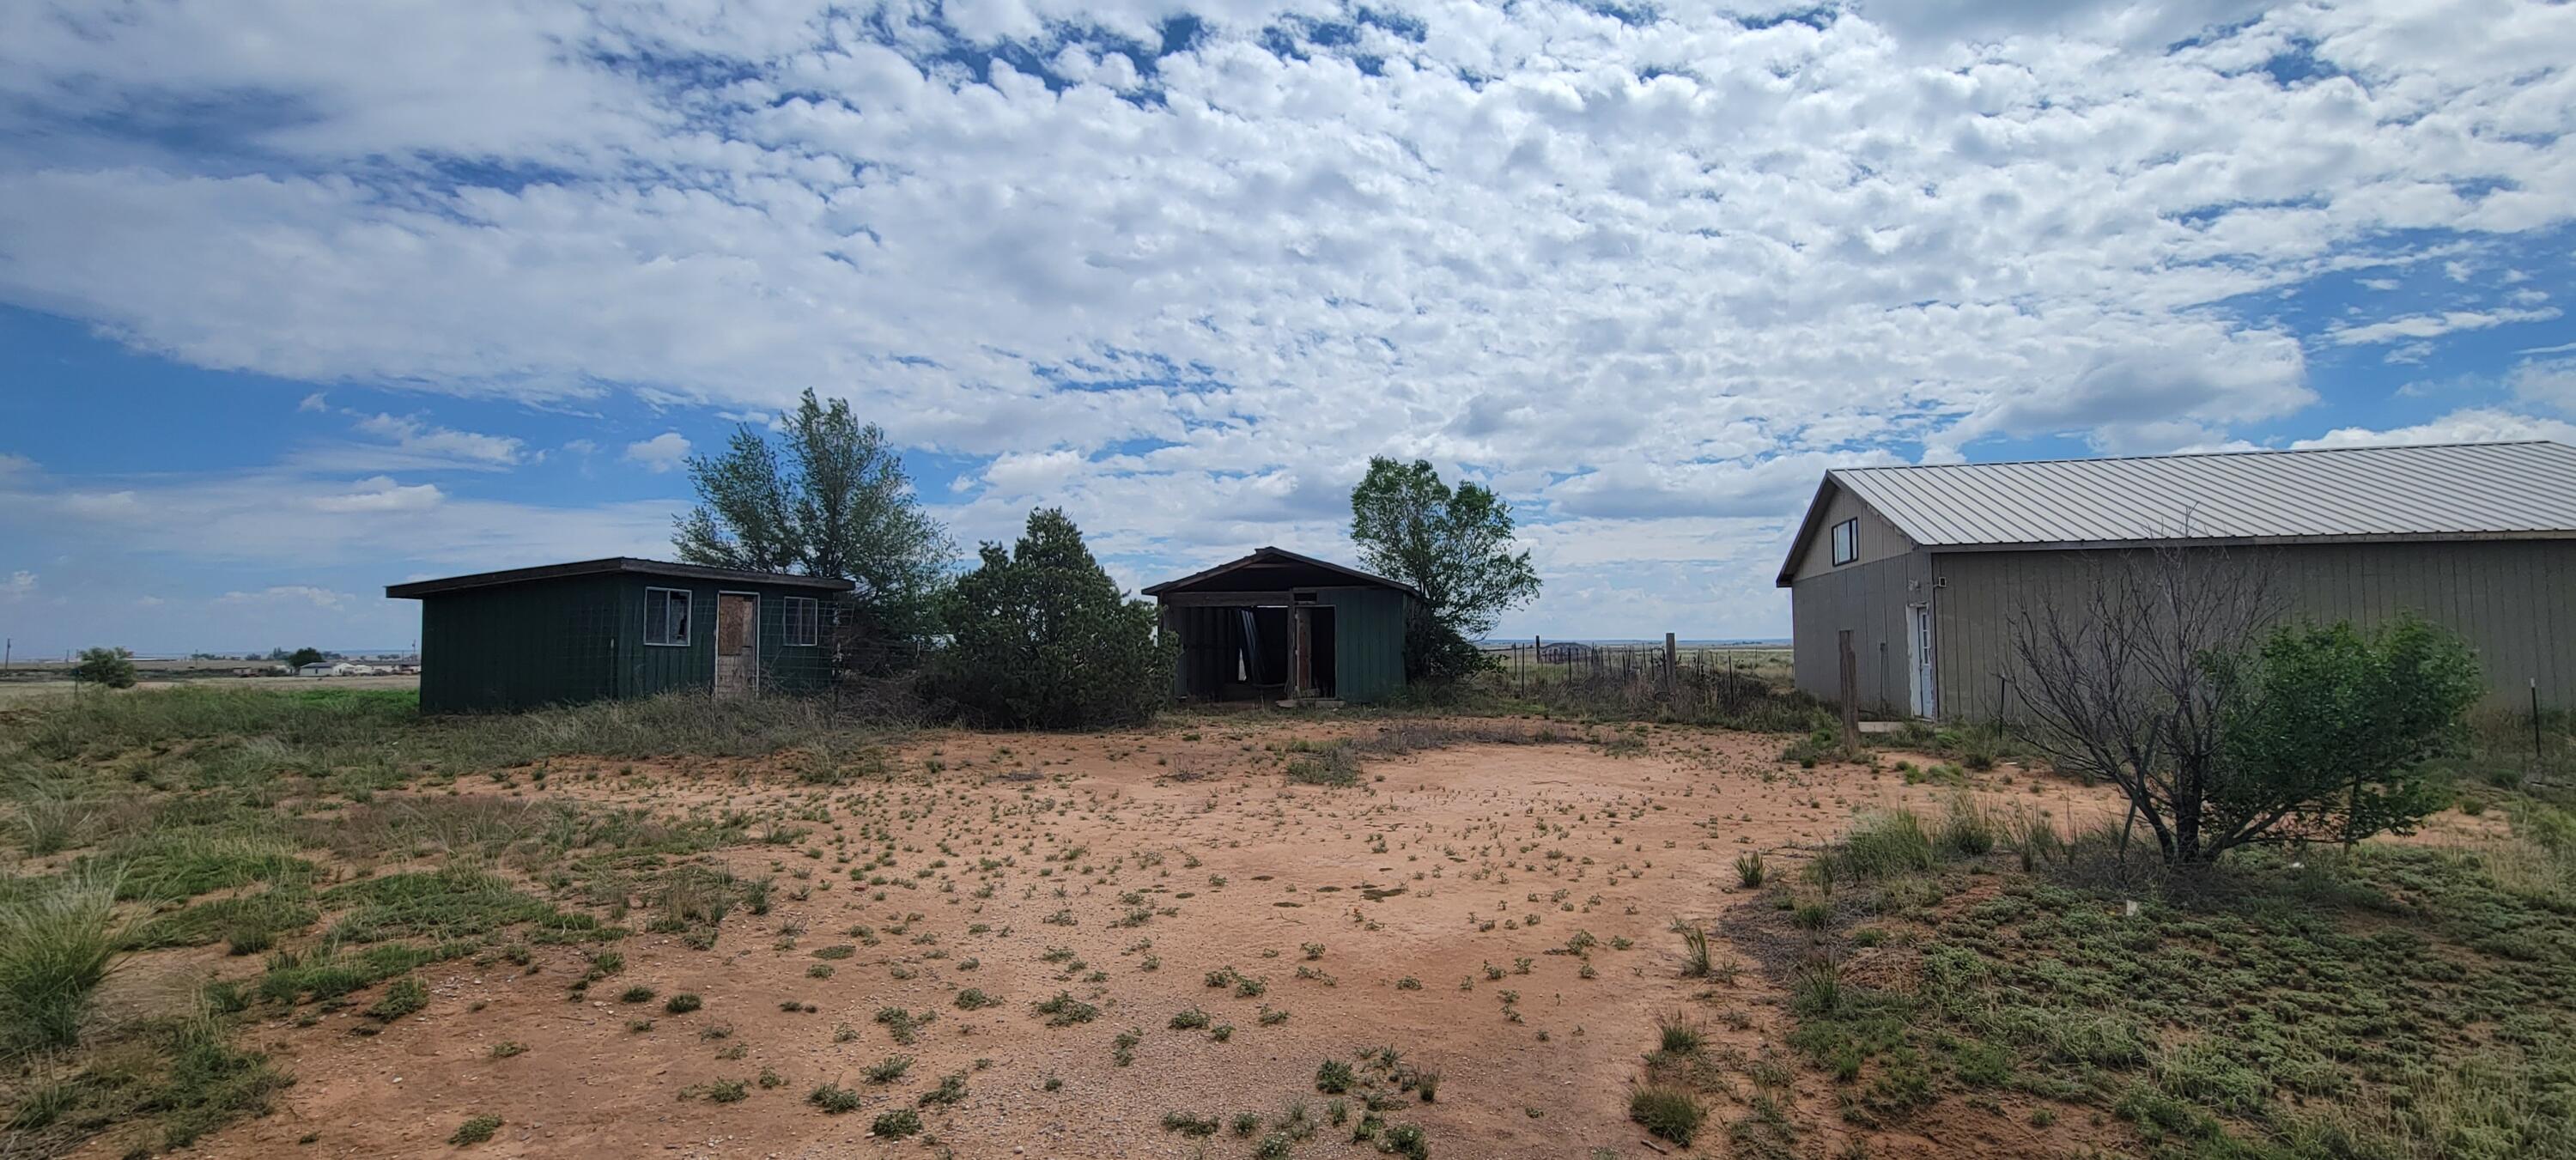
(619, 627)
(1275, 625)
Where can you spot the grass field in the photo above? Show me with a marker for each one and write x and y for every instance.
(257, 921)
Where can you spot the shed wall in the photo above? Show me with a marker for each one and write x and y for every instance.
(1870, 599)
(2513, 601)
(519, 646)
(1879, 539)
(581, 638)
(1368, 642)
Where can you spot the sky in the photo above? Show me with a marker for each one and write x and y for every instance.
(300, 299)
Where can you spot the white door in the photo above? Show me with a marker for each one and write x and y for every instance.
(1922, 641)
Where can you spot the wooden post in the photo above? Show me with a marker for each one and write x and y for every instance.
(1850, 692)
(1672, 669)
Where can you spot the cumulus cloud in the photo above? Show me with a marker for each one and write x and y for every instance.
(660, 453)
(19, 585)
(288, 594)
(1651, 265)
(2470, 425)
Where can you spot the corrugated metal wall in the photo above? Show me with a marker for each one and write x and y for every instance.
(517, 646)
(2514, 601)
(1870, 600)
(1368, 642)
(581, 638)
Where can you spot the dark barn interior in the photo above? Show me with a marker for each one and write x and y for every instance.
(1275, 625)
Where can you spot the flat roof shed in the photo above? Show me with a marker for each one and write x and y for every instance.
(618, 628)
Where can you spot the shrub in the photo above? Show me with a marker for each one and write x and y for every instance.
(1885, 845)
(405, 996)
(55, 949)
(476, 1130)
(1749, 869)
(833, 1099)
(108, 668)
(897, 1124)
(1042, 637)
(1668, 1112)
(1334, 1077)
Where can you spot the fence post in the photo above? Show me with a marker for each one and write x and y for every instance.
(1672, 669)
(1850, 692)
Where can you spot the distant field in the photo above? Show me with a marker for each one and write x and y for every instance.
(22, 689)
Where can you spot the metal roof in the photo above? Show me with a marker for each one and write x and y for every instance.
(420, 588)
(2441, 491)
(1267, 562)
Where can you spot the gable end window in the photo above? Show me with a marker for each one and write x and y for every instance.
(666, 616)
(1847, 541)
(804, 621)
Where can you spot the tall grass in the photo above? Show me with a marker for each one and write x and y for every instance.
(56, 946)
(1883, 846)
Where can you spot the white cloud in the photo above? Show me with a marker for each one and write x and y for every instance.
(660, 453)
(429, 444)
(2434, 325)
(381, 494)
(19, 585)
(288, 594)
(2550, 382)
(1631, 271)
(316, 403)
(2471, 425)
(10, 463)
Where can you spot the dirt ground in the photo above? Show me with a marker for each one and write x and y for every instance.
(1154, 858)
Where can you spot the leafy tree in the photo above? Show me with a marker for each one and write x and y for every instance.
(111, 668)
(2168, 676)
(308, 655)
(833, 502)
(1455, 545)
(1041, 637)
(2326, 730)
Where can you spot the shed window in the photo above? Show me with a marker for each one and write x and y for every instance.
(1847, 541)
(666, 616)
(804, 621)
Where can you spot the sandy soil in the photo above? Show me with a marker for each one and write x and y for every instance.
(1448, 860)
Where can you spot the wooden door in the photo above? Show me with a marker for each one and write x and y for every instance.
(1301, 652)
(737, 644)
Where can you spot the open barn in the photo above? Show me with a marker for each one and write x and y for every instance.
(1275, 625)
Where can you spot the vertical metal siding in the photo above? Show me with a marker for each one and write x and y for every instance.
(1368, 642)
(581, 638)
(1870, 600)
(517, 647)
(2513, 601)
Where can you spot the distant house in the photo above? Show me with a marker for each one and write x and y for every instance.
(1926, 567)
(619, 627)
(1275, 625)
(320, 669)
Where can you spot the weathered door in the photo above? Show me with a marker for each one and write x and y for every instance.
(737, 644)
(1920, 628)
(1301, 651)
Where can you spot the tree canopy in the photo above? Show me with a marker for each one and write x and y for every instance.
(829, 497)
(1041, 637)
(1454, 544)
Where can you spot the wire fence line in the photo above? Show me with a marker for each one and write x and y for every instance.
(1686, 679)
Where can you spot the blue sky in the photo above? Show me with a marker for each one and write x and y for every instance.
(298, 300)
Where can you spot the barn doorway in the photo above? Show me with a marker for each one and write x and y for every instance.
(737, 644)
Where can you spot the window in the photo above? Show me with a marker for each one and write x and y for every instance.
(666, 616)
(1847, 541)
(804, 621)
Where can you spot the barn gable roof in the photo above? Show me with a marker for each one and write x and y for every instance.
(1276, 569)
(2524, 490)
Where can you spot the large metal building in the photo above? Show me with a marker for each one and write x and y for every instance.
(1927, 566)
(1275, 625)
(619, 627)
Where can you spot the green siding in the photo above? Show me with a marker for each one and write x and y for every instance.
(523, 645)
(1368, 642)
(581, 638)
